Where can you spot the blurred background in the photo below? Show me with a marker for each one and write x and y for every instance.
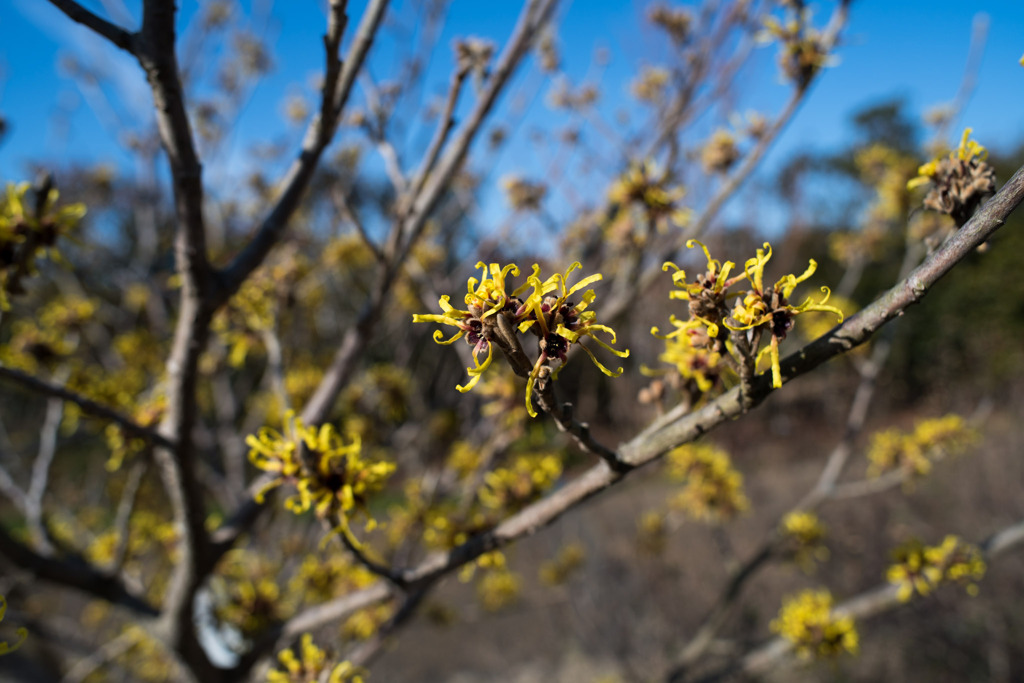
(615, 590)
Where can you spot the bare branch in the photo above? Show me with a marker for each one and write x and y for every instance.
(444, 127)
(338, 83)
(112, 32)
(75, 572)
(88, 406)
(534, 15)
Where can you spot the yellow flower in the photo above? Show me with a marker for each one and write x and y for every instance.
(485, 298)
(770, 310)
(546, 312)
(310, 665)
(915, 451)
(919, 568)
(807, 621)
(558, 570)
(559, 323)
(805, 535)
(646, 186)
(333, 478)
(713, 489)
(498, 588)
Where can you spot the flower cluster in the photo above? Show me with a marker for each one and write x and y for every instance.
(919, 568)
(804, 535)
(330, 476)
(542, 307)
(366, 622)
(21, 633)
(311, 665)
(28, 232)
(803, 51)
(319, 579)
(651, 84)
(254, 309)
(758, 311)
(808, 621)
(958, 182)
(720, 153)
(712, 488)
(645, 186)
(914, 452)
(522, 481)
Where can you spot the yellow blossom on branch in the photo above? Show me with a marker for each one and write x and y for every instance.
(712, 488)
(485, 298)
(330, 476)
(804, 535)
(808, 621)
(921, 569)
(769, 308)
(914, 451)
(958, 182)
(559, 323)
(546, 312)
(311, 665)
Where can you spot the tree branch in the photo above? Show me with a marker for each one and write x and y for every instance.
(112, 32)
(75, 572)
(88, 406)
(338, 81)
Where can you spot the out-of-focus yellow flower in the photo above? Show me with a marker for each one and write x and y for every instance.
(29, 231)
(803, 51)
(498, 589)
(712, 488)
(310, 665)
(650, 86)
(804, 535)
(914, 452)
(645, 186)
(720, 153)
(919, 568)
(807, 621)
(525, 478)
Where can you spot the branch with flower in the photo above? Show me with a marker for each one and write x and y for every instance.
(331, 477)
(958, 182)
(736, 332)
(496, 314)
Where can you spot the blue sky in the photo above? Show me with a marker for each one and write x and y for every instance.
(913, 50)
